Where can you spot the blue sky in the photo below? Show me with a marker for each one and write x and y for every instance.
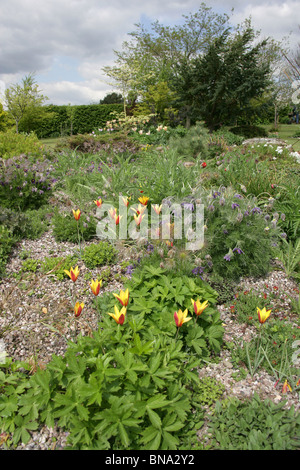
(65, 43)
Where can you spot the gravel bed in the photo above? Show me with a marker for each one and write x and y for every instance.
(36, 321)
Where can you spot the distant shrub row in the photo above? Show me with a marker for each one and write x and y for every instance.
(80, 119)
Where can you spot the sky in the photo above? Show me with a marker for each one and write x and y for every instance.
(66, 43)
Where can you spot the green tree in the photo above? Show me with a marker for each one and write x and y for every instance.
(152, 56)
(22, 98)
(219, 85)
(112, 98)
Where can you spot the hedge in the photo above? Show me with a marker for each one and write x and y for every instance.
(85, 119)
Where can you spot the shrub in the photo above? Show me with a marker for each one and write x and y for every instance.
(25, 183)
(239, 235)
(254, 425)
(65, 227)
(13, 144)
(99, 254)
(30, 224)
(194, 144)
(249, 132)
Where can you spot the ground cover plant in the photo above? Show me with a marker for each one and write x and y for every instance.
(132, 383)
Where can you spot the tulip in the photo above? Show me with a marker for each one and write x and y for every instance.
(117, 219)
(263, 314)
(119, 315)
(77, 214)
(126, 201)
(123, 298)
(157, 208)
(112, 212)
(181, 317)
(98, 202)
(73, 273)
(198, 306)
(286, 387)
(143, 200)
(140, 209)
(78, 309)
(95, 286)
(138, 218)
(204, 165)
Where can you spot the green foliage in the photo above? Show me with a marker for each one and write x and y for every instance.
(25, 183)
(249, 132)
(13, 144)
(85, 118)
(7, 241)
(104, 143)
(99, 254)
(65, 227)
(238, 239)
(290, 258)
(56, 265)
(122, 389)
(274, 351)
(210, 390)
(254, 425)
(23, 98)
(194, 144)
(30, 224)
(30, 265)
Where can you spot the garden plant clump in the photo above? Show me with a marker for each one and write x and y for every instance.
(145, 341)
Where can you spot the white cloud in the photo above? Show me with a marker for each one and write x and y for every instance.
(37, 36)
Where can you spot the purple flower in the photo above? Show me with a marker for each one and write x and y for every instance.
(238, 250)
(227, 257)
(238, 196)
(256, 210)
(234, 205)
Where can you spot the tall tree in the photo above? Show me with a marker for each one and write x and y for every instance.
(153, 56)
(219, 85)
(21, 97)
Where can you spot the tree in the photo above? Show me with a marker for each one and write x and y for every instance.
(112, 98)
(152, 57)
(219, 85)
(22, 98)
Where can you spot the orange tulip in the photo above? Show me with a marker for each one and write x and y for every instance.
(286, 387)
(119, 315)
(96, 286)
(198, 306)
(181, 317)
(78, 309)
(123, 298)
(73, 273)
(77, 214)
(98, 202)
(143, 200)
(263, 314)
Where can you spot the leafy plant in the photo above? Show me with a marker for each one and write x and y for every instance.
(56, 265)
(290, 258)
(253, 425)
(99, 254)
(25, 183)
(65, 227)
(13, 144)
